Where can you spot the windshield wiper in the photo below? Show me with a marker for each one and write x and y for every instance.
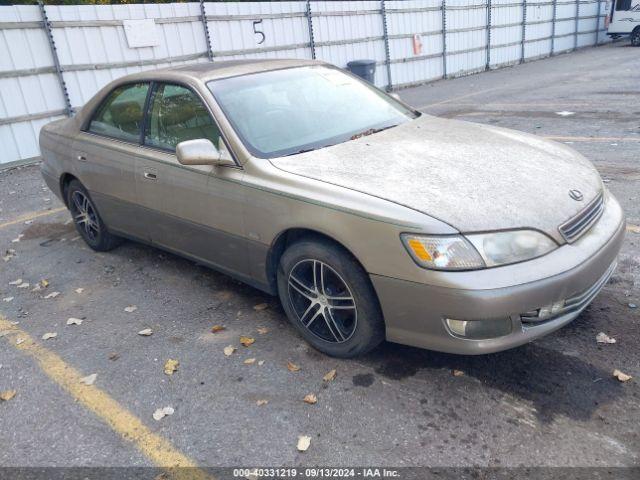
(305, 150)
(370, 131)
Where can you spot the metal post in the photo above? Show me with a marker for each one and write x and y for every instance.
(577, 25)
(312, 42)
(488, 64)
(598, 22)
(444, 38)
(385, 34)
(205, 26)
(553, 27)
(56, 60)
(524, 29)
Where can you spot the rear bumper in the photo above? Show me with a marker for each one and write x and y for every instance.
(52, 182)
(415, 313)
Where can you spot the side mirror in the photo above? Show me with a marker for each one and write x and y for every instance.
(202, 151)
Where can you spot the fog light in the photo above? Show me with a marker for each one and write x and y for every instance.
(552, 310)
(479, 329)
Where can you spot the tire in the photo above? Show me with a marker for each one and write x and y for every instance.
(87, 219)
(635, 37)
(341, 319)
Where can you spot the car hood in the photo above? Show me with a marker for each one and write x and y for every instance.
(473, 177)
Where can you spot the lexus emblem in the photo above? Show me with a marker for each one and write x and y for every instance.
(576, 195)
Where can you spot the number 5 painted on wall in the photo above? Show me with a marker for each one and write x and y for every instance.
(258, 32)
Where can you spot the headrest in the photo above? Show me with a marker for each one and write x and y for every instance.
(125, 113)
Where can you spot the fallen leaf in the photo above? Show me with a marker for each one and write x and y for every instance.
(79, 290)
(311, 399)
(623, 377)
(146, 332)
(114, 356)
(457, 373)
(217, 328)
(171, 366)
(44, 283)
(262, 402)
(260, 362)
(130, 309)
(228, 350)
(262, 330)
(23, 285)
(604, 338)
(7, 395)
(9, 254)
(7, 299)
(330, 375)
(52, 295)
(160, 413)
(49, 335)
(304, 441)
(74, 321)
(260, 307)
(89, 379)
(292, 367)
(246, 341)
(249, 361)
(16, 282)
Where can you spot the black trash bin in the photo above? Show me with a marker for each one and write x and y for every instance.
(365, 69)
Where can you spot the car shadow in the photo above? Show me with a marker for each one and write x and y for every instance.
(554, 383)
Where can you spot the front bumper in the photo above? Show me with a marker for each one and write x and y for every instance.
(415, 313)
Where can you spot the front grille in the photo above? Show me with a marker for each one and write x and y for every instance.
(571, 304)
(572, 229)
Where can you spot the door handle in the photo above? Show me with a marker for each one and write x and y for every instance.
(150, 176)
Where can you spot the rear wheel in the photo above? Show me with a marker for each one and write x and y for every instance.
(87, 219)
(328, 297)
(635, 37)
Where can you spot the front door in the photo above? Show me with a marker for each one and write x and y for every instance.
(195, 210)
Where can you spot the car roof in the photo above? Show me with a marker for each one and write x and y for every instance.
(217, 69)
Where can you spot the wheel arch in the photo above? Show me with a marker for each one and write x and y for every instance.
(65, 179)
(288, 237)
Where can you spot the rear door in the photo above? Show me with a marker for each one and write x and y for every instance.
(195, 211)
(106, 152)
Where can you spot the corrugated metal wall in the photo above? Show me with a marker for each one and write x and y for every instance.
(412, 42)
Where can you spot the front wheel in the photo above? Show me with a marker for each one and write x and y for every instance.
(328, 297)
(87, 219)
(635, 37)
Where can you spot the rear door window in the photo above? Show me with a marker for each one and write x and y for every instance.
(121, 113)
(176, 115)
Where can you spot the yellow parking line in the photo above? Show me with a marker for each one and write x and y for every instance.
(593, 139)
(633, 228)
(118, 418)
(31, 216)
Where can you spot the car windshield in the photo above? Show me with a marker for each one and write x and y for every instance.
(289, 111)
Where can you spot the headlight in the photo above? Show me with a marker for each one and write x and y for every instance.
(450, 252)
(475, 251)
(501, 248)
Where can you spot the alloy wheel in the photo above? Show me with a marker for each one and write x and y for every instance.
(322, 301)
(84, 215)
